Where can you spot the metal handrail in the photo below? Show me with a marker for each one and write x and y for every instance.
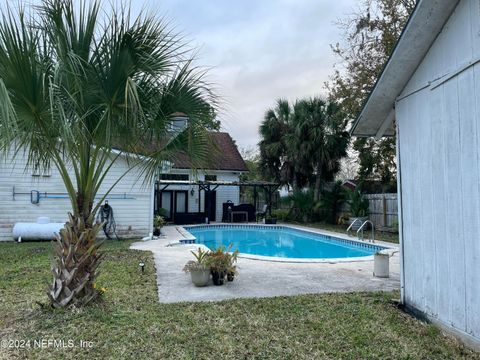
(353, 222)
(361, 229)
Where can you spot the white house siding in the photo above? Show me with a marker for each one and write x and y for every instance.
(439, 134)
(133, 215)
(224, 193)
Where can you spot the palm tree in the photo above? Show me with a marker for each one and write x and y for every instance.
(321, 138)
(277, 156)
(80, 88)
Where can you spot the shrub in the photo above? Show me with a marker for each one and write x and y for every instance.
(159, 222)
(358, 203)
(303, 206)
(282, 214)
(331, 202)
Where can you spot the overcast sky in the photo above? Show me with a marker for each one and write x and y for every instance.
(258, 50)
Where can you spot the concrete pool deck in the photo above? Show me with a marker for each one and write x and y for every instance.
(257, 278)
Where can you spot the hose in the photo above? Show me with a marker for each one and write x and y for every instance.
(105, 216)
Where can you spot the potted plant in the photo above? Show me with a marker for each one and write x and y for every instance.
(198, 268)
(358, 208)
(269, 219)
(232, 269)
(158, 223)
(221, 262)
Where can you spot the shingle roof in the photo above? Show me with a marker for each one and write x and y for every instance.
(226, 158)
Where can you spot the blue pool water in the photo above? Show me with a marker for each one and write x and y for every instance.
(279, 241)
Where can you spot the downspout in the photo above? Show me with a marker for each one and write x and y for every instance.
(400, 215)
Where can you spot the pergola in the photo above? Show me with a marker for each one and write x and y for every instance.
(206, 186)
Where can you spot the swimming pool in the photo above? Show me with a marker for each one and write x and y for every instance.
(280, 242)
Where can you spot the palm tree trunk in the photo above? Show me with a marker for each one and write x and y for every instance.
(318, 184)
(294, 182)
(75, 266)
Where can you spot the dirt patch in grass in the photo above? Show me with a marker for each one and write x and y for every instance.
(129, 323)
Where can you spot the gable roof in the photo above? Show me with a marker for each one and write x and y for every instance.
(423, 26)
(227, 157)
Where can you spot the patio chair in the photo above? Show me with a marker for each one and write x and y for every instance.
(262, 213)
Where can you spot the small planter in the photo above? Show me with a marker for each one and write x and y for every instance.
(230, 276)
(357, 224)
(381, 265)
(271, 221)
(198, 269)
(156, 232)
(218, 278)
(200, 277)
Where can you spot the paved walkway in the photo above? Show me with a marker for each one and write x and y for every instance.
(258, 278)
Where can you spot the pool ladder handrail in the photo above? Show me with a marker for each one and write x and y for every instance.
(361, 229)
(353, 222)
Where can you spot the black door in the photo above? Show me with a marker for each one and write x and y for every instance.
(211, 205)
(173, 202)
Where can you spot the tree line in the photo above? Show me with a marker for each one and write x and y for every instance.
(303, 144)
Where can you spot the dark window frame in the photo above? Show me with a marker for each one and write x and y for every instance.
(175, 177)
(210, 177)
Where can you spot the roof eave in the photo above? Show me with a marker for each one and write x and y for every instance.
(421, 30)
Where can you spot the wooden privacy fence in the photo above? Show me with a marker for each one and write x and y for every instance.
(383, 209)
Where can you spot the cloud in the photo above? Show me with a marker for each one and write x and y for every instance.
(261, 51)
(258, 50)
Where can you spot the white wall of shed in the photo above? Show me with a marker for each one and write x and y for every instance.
(440, 172)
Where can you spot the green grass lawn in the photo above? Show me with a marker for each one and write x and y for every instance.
(379, 235)
(130, 324)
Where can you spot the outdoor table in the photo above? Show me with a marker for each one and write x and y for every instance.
(239, 212)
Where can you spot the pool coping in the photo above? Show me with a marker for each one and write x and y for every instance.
(387, 247)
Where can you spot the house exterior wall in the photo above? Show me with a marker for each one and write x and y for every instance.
(224, 193)
(133, 214)
(438, 119)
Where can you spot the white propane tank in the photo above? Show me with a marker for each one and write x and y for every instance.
(43, 229)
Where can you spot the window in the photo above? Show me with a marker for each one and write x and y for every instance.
(176, 177)
(177, 124)
(210, 177)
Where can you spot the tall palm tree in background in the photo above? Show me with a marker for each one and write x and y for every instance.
(275, 124)
(278, 160)
(304, 143)
(321, 139)
(79, 89)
